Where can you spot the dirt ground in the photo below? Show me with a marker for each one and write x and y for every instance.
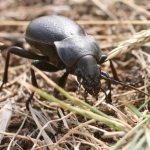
(22, 129)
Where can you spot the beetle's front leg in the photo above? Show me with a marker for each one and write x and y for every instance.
(19, 52)
(105, 76)
(114, 72)
(103, 59)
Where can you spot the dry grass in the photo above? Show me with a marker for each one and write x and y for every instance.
(122, 31)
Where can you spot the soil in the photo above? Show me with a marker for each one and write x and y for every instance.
(132, 67)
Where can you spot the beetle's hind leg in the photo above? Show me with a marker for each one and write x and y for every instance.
(19, 52)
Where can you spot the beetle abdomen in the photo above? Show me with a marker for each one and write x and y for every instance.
(49, 29)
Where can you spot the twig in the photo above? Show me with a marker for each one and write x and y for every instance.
(104, 8)
(135, 41)
(9, 146)
(19, 136)
(136, 7)
(123, 140)
(83, 22)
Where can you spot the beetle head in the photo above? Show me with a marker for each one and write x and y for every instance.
(88, 75)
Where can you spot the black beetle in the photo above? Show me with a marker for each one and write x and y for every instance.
(59, 43)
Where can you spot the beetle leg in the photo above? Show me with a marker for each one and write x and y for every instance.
(22, 53)
(63, 79)
(108, 96)
(96, 96)
(61, 82)
(105, 76)
(44, 66)
(114, 72)
(34, 83)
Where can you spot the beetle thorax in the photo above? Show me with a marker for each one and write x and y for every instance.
(88, 74)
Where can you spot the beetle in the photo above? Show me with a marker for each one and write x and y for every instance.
(57, 43)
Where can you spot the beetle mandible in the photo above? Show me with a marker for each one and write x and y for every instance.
(59, 43)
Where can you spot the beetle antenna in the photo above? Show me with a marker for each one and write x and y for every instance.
(105, 76)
